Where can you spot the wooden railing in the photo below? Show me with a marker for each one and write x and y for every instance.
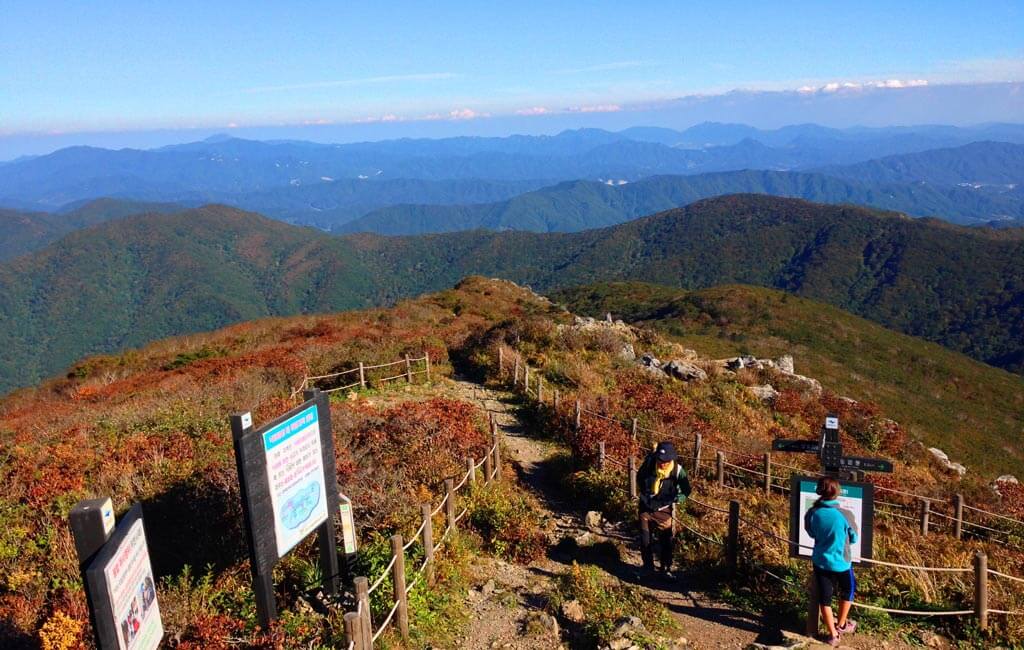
(363, 381)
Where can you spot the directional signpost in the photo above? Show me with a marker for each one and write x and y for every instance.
(856, 499)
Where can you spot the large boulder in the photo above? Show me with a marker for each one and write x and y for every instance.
(943, 460)
(685, 370)
(785, 364)
(764, 393)
(650, 360)
(627, 353)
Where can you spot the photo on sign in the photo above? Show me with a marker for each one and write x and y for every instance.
(141, 603)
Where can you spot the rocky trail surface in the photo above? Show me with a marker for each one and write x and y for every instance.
(507, 603)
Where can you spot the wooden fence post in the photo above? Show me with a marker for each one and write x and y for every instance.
(526, 379)
(501, 360)
(696, 454)
(496, 443)
(540, 390)
(426, 359)
(362, 376)
(488, 467)
(767, 472)
(958, 515)
(353, 627)
(732, 542)
(720, 462)
(515, 371)
(813, 611)
(633, 492)
(398, 583)
(449, 506)
(471, 470)
(363, 602)
(554, 403)
(981, 589)
(926, 508)
(579, 412)
(428, 541)
(408, 369)
(634, 428)
(600, 456)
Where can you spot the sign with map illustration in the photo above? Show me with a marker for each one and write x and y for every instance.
(289, 486)
(295, 476)
(856, 503)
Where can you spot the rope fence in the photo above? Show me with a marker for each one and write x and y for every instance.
(364, 381)
(767, 481)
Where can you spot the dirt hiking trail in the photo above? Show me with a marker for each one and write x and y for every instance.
(507, 605)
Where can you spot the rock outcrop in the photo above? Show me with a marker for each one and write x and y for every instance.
(943, 460)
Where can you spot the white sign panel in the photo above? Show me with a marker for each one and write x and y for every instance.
(831, 423)
(851, 504)
(348, 525)
(132, 593)
(295, 473)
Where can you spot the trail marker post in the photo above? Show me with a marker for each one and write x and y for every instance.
(118, 577)
(856, 499)
(289, 489)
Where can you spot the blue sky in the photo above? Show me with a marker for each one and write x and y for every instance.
(105, 66)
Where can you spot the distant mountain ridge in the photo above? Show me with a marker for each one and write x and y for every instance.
(137, 279)
(581, 205)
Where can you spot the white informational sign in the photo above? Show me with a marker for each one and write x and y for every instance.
(132, 593)
(831, 423)
(851, 504)
(348, 524)
(295, 473)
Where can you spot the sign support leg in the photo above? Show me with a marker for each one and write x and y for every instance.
(328, 556)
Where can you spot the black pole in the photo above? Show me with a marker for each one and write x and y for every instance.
(262, 577)
(326, 540)
(91, 521)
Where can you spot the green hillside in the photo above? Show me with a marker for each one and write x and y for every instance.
(580, 205)
(977, 162)
(130, 281)
(967, 408)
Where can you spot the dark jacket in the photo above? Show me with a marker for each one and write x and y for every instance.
(673, 489)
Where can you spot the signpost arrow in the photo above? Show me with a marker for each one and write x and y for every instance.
(865, 464)
(801, 446)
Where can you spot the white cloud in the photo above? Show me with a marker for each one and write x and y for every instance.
(597, 108)
(534, 110)
(465, 114)
(837, 86)
(398, 78)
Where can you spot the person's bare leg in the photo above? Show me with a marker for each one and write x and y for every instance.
(830, 623)
(844, 611)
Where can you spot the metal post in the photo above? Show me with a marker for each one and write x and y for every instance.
(362, 376)
(600, 455)
(720, 462)
(352, 630)
(732, 544)
(696, 454)
(449, 490)
(634, 428)
(363, 603)
(981, 589)
(471, 470)
(398, 582)
(767, 472)
(428, 540)
(958, 514)
(632, 478)
(579, 412)
(926, 507)
(408, 369)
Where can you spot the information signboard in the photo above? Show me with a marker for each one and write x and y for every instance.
(120, 579)
(856, 503)
(295, 476)
(286, 472)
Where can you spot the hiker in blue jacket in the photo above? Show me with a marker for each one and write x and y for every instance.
(661, 482)
(833, 534)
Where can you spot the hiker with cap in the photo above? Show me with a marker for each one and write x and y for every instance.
(661, 482)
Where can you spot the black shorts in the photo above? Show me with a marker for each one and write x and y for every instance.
(834, 582)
